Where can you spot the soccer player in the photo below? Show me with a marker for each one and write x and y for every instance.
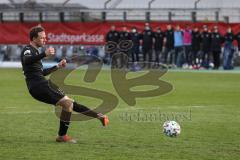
(169, 44)
(113, 36)
(147, 43)
(216, 46)
(158, 45)
(206, 46)
(40, 89)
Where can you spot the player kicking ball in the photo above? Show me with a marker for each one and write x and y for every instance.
(40, 89)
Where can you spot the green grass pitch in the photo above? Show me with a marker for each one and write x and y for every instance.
(206, 105)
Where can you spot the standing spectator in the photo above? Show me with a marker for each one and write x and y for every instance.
(158, 45)
(187, 41)
(216, 44)
(169, 47)
(196, 42)
(112, 37)
(178, 45)
(135, 37)
(124, 36)
(3, 52)
(228, 49)
(69, 52)
(206, 44)
(237, 37)
(58, 53)
(147, 45)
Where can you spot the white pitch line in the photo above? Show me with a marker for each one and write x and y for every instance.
(28, 112)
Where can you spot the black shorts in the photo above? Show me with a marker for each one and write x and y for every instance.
(47, 93)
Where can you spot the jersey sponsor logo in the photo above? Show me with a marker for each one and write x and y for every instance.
(27, 53)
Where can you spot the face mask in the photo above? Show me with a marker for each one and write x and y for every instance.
(134, 30)
(147, 28)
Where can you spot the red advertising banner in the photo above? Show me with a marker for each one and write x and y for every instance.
(86, 33)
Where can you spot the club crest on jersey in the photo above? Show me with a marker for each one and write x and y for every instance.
(27, 52)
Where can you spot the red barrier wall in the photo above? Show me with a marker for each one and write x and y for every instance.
(84, 33)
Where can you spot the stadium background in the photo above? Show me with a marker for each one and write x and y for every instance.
(84, 24)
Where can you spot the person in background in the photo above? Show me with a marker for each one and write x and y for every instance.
(178, 46)
(158, 45)
(237, 38)
(135, 37)
(124, 36)
(59, 54)
(112, 37)
(196, 42)
(216, 46)
(187, 41)
(205, 49)
(147, 43)
(169, 44)
(228, 49)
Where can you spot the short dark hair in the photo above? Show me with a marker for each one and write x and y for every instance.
(34, 32)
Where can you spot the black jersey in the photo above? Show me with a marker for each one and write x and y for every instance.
(147, 37)
(206, 41)
(169, 34)
(229, 37)
(124, 36)
(112, 36)
(135, 37)
(33, 68)
(196, 41)
(216, 41)
(158, 36)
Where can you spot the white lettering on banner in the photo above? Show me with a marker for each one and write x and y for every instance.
(66, 38)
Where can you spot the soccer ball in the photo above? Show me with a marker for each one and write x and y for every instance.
(171, 128)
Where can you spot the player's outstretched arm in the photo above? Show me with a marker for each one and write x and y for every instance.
(61, 64)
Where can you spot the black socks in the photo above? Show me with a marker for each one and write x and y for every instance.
(64, 122)
(84, 110)
(66, 117)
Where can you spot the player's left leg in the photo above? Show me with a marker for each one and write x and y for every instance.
(65, 117)
(88, 112)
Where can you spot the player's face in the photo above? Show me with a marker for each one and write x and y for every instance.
(177, 28)
(229, 30)
(41, 39)
(169, 27)
(113, 28)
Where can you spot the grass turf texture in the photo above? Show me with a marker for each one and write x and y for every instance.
(211, 131)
